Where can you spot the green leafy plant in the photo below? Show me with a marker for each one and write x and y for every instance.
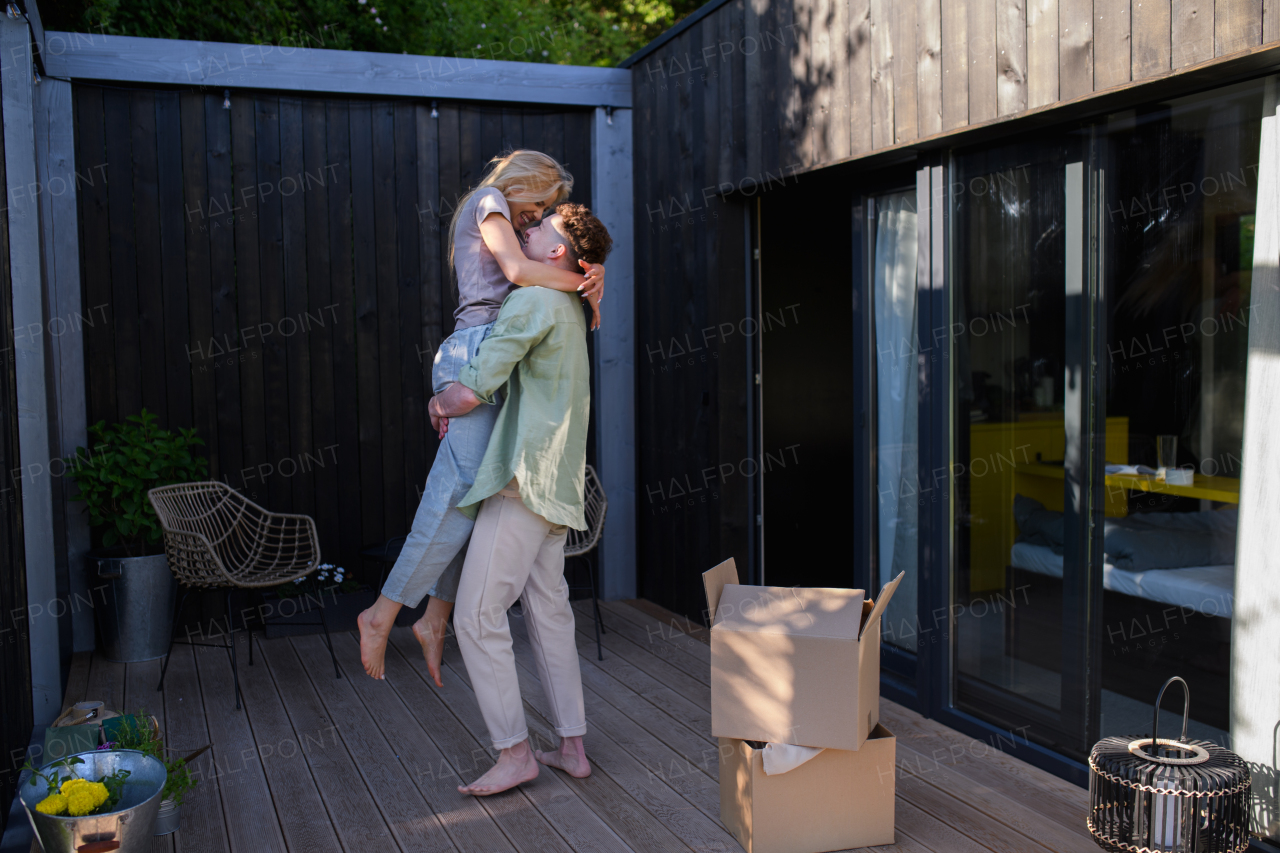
(126, 460)
(51, 778)
(73, 794)
(135, 732)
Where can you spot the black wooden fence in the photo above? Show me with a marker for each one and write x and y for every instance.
(274, 272)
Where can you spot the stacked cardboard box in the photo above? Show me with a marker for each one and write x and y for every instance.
(805, 766)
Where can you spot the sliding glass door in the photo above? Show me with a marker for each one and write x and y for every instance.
(1017, 283)
(1098, 284)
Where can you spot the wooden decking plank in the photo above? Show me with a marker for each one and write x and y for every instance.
(288, 775)
(680, 650)
(559, 802)
(981, 797)
(643, 659)
(691, 743)
(670, 618)
(660, 779)
(253, 826)
(517, 816)
(469, 826)
(140, 694)
(352, 807)
(106, 684)
(983, 763)
(622, 799)
(202, 825)
(929, 831)
(695, 717)
(666, 626)
(77, 679)
(403, 806)
(964, 819)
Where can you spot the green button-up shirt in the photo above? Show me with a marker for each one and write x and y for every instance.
(538, 351)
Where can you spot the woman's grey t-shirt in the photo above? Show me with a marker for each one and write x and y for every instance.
(481, 286)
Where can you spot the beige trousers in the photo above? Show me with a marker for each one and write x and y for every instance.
(515, 553)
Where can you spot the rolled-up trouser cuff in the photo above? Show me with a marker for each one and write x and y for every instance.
(507, 743)
(572, 731)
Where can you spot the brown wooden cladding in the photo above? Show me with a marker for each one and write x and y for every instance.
(276, 275)
(826, 80)
(755, 91)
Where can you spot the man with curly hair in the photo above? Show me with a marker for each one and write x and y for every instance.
(529, 492)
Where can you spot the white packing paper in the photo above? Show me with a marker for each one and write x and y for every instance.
(781, 757)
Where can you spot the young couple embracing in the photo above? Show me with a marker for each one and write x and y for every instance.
(511, 407)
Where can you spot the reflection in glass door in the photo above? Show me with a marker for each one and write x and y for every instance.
(1017, 439)
(894, 250)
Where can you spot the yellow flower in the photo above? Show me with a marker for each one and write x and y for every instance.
(80, 802)
(73, 783)
(99, 791)
(54, 804)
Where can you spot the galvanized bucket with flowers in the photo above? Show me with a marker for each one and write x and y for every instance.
(101, 800)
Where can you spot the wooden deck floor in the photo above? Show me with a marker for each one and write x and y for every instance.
(317, 764)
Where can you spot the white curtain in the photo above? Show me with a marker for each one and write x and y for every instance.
(897, 379)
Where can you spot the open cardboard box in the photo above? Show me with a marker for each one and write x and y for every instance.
(794, 665)
(836, 800)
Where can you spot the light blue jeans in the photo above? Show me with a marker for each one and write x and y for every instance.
(431, 561)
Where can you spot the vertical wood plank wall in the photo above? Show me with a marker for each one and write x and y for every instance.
(756, 91)
(276, 275)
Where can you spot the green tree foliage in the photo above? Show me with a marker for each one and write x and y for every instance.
(567, 32)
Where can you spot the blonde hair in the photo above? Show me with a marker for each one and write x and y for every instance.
(521, 175)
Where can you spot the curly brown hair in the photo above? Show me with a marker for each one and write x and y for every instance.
(589, 240)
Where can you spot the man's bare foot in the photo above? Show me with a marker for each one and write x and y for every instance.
(430, 631)
(515, 766)
(571, 757)
(432, 641)
(375, 627)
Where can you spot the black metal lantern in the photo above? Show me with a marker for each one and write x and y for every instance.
(1171, 796)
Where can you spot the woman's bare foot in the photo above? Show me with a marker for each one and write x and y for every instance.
(430, 631)
(515, 766)
(571, 757)
(375, 627)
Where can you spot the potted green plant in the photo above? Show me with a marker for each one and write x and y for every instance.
(126, 460)
(142, 733)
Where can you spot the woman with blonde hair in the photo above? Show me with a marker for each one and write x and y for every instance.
(486, 252)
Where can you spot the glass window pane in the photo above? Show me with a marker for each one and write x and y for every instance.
(1009, 441)
(1180, 190)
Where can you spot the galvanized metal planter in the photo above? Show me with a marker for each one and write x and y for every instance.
(135, 620)
(168, 817)
(128, 829)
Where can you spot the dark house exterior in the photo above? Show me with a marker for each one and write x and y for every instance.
(919, 286)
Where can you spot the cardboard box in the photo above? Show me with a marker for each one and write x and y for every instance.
(793, 665)
(835, 801)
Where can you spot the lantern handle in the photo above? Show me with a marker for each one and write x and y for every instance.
(1186, 709)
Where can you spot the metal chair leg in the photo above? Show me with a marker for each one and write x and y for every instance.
(173, 634)
(231, 648)
(595, 606)
(337, 673)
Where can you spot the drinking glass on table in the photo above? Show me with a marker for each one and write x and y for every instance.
(1166, 453)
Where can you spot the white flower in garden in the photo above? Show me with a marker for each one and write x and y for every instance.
(298, 580)
(544, 53)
